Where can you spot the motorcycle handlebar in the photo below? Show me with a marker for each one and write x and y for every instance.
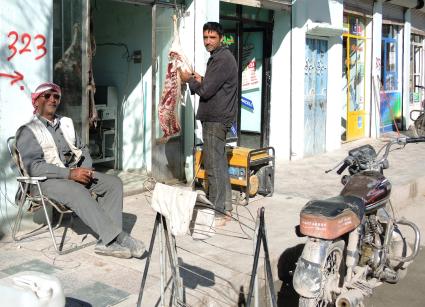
(348, 161)
(343, 167)
(415, 140)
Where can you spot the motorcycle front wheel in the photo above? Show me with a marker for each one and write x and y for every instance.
(332, 268)
(420, 125)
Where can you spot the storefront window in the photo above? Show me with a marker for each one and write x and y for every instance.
(354, 72)
(416, 68)
(389, 57)
(255, 13)
(354, 25)
(390, 31)
(390, 107)
(228, 9)
(67, 57)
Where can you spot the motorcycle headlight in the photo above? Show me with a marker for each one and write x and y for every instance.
(307, 278)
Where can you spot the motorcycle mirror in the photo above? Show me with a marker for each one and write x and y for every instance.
(385, 164)
(345, 179)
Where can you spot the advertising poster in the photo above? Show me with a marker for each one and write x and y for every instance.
(390, 110)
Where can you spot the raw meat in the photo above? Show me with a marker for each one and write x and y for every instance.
(172, 91)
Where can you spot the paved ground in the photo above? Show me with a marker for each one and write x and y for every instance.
(214, 270)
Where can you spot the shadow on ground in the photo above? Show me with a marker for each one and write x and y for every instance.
(286, 295)
(73, 302)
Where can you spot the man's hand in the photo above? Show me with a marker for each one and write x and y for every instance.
(197, 77)
(81, 175)
(185, 76)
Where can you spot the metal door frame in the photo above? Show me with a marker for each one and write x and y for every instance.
(266, 28)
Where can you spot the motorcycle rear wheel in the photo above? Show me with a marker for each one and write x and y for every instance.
(332, 268)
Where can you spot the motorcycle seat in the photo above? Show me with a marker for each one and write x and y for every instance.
(334, 206)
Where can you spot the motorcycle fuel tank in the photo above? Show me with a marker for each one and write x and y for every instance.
(371, 186)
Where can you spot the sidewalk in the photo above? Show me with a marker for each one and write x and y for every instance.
(213, 270)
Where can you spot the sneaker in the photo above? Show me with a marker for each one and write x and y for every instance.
(113, 249)
(219, 221)
(136, 247)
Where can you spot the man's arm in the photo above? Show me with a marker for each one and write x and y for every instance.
(87, 160)
(33, 157)
(215, 77)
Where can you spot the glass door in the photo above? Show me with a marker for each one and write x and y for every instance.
(390, 109)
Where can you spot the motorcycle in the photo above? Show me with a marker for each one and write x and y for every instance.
(354, 241)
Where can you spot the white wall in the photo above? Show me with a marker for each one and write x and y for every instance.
(15, 100)
(335, 97)
(280, 100)
(369, 66)
(406, 69)
(376, 69)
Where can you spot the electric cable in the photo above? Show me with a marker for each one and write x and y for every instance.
(215, 262)
(126, 55)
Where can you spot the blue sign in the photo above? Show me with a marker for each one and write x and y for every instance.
(359, 122)
(234, 129)
(247, 103)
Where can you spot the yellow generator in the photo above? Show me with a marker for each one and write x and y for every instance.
(251, 171)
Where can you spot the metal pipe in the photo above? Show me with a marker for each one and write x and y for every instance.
(161, 263)
(350, 298)
(290, 84)
(415, 251)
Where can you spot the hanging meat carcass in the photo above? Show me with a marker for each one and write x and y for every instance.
(172, 91)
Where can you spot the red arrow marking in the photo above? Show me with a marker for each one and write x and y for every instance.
(15, 78)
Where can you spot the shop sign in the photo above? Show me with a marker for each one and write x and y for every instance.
(249, 76)
(247, 103)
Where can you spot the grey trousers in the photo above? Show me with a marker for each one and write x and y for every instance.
(103, 216)
(216, 166)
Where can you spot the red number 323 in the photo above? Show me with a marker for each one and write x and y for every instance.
(26, 41)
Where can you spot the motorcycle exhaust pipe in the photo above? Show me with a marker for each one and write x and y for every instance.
(351, 298)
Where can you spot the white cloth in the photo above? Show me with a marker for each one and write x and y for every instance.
(176, 205)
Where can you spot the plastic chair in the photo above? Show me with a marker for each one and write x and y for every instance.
(35, 202)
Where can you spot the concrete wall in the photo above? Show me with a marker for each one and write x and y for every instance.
(123, 23)
(376, 68)
(15, 99)
(368, 76)
(280, 104)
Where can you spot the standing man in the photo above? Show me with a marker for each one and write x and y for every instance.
(49, 146)
(217, 111)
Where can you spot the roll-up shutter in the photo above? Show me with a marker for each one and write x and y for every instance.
(364, 7)
(392, 12)
(418, 20)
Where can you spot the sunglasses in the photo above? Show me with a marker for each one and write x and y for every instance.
(48, 95)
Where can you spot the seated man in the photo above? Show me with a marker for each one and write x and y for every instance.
(50, 147)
